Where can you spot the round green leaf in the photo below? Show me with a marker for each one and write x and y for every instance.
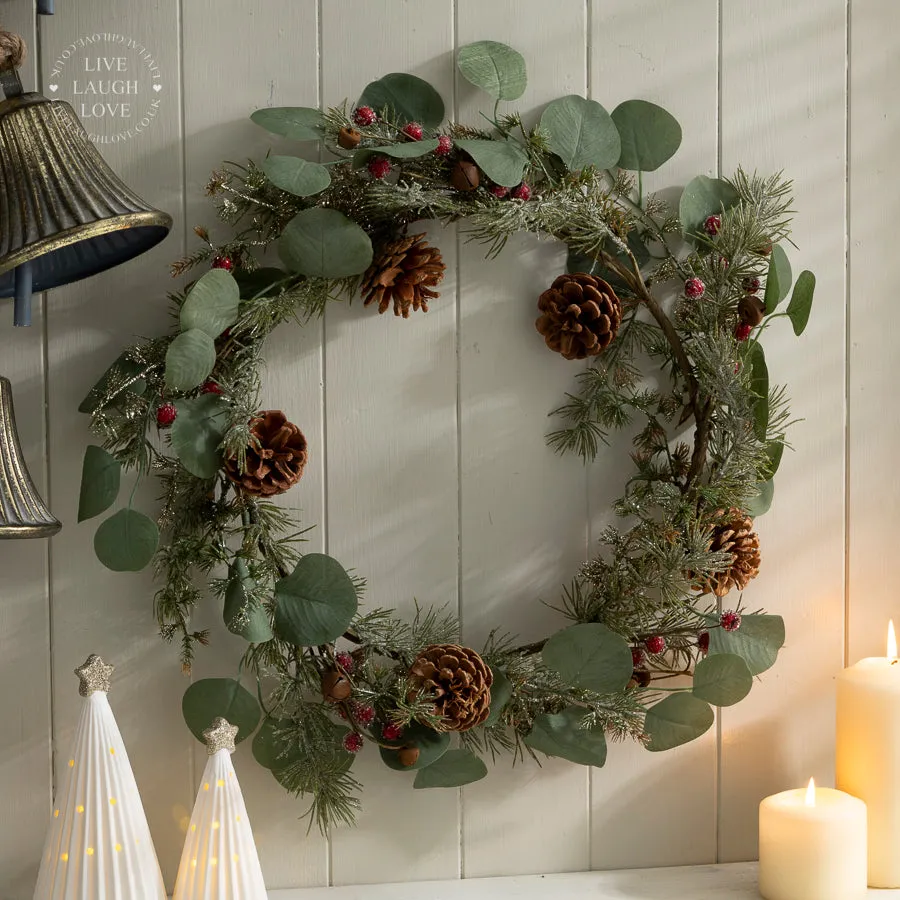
(454, 769)
(324, 243)
(406, 98)
(101, 475)
(760, 504)
(759, 384)
(495, 68)
(801, 301)
(581, 133)
(757, 641)
(774, 453)
(212, 303)
(299, 123)
(211, 698)
(723, 679)
(411, 150)
(126, 541)
(590, 656)
(122, 372)
(260, 282)
(501, 692)
(432, 746)
(315, 603)
(503, 161)
(270, 749)
(650, 135)
(296, 176)
(676, 720)
(561, 734)
(778, 279)
(701, 198)
(197, 434)
(243, 613)
(189, 360)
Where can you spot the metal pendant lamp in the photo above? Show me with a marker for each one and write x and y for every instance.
(64, 215)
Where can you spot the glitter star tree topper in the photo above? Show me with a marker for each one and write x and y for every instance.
(99, 843)
(219, 861)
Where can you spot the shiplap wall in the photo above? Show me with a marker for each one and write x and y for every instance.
(429, 472)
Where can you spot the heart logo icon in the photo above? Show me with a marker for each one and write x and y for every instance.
(157, 88)
(53, 87)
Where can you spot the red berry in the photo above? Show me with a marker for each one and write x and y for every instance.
(742, 332)
(730, 620)
(499, 191)
(211, 387)
(345, 661)
(353, 742)
(694, 288)
(391, 732)
(703, 642)
(655, 644)
(363, 713)
(637, 656)
(522, 192)
(712, 225)
(166, 415)
(365, 115)
(413, 130)
(223, 262)
(445, 145)
(379, 167)
(751, 285)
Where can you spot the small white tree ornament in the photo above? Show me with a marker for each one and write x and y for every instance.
(99, 845)
(219, 860)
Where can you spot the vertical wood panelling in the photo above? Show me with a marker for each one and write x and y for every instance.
(873, 425)
(783, 107)
(524, 516)
(277, 66)
(95, 610)
(391, 426)
(25, 764)
(655, 809)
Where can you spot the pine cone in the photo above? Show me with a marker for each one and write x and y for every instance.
(580, 315)
(734, 534)
(460, 681)
(403, 274)
(276, 456)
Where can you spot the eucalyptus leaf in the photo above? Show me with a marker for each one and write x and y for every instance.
(101, 476)
(581, 262)
(299, 123)
(126, 541)
(503, 161)
(270, 749)
(324, 243)
(650, 135)
(259, 282)
(501, 692)
(759, 384)
(679, 718)
(590, 656)
(243, 613)
(581, 133)
(701, 198)
(212, 303)
(407, 98)
(757, 641)
(561, 734)
(122, 371)
(212, 698)
(778, 279)
(411, 150)
(495, 68)
(801, 301)
(774, 453)
(722, 679)
(453, 769)
(295, 175)
(432, 745)
(197, 434)
(316, 603)
(189, 360)
(760, 504)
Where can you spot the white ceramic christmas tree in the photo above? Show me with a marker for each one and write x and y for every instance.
(98, 846)
(219, 861)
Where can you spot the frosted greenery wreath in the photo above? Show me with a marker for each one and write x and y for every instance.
(684, 295)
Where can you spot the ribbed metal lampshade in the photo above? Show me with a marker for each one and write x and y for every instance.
(61, 206)
(22, 512)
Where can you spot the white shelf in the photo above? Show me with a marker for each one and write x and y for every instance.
(728, 882)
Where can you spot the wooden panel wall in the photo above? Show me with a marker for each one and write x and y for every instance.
(429, 474)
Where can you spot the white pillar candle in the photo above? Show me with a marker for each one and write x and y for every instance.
(812, 845)
(868, 754)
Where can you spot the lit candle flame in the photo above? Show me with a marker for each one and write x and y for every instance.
(811, 793)
(892, 641)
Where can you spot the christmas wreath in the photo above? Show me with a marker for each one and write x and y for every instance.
(668, 305)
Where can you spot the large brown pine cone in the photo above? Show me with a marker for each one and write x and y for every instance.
(403, 273)
(275, 459)
(580, 315)
(733, 534)
(460, 681)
